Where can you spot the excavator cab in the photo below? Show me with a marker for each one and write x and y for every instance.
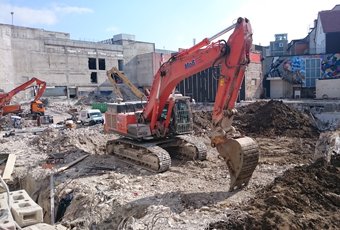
(182, 121)
(37, 107)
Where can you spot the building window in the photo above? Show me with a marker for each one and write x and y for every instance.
(101, 63)
(253, 82)
(313, 71)
(280, 44)
(121, 65)
(92, 63)
(94, 78)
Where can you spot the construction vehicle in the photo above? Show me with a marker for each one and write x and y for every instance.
(166, 122)
(37, 107)
(114, 73)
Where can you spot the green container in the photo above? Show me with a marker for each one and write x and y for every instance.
(101, 106)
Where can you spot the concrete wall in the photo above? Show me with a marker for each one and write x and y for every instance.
(253, 81)
(280, 88)
(142, 68)
(52, 57)
(6, 61)
(132, 61)
(328, 88)
(320, 38)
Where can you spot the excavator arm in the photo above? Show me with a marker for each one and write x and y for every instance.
(232, 57)
(115, 72)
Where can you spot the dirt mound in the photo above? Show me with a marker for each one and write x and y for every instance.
(202, 122)
(305, 197)
(273, 118)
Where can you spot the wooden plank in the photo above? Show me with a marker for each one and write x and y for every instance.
(7, 175)
(59, 170)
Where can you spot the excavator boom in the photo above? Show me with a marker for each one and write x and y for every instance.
(114, 72)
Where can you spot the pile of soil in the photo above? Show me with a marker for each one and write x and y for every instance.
(202, 122)
(273, 118)
(305, 197)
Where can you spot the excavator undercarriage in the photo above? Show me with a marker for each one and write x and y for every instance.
(154, 155)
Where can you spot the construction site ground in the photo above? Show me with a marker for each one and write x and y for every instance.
(287, 190)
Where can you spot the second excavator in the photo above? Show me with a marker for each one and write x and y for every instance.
(163, 125)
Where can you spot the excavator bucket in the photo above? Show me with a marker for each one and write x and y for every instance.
(241, 156)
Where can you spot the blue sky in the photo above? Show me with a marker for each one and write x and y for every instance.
(169, 24)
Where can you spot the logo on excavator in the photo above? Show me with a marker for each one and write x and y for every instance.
(189, 64)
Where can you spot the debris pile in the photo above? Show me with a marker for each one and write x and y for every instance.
(304, 197)
(273, 118)
(90, 139)
(95, 97)
(5, 122)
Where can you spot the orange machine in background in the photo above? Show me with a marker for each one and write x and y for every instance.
(37, 107)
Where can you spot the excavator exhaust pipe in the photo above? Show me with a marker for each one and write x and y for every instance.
(241, 156)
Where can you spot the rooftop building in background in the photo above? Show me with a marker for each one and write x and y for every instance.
(279, 46)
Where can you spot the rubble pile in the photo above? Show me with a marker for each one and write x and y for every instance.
(304, 197)
(90, 139)
(95, 97)
(5, 122)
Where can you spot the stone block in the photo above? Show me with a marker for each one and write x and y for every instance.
(6, 219)
(24, 210)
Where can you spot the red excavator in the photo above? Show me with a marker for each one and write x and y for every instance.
(165, 123)
(37, 107)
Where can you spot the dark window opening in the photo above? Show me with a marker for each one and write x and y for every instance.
(121, 65)
(101, 63)
(92, 63)
(94, 78)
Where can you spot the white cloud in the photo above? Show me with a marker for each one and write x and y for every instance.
(73, 9)
(25, 16)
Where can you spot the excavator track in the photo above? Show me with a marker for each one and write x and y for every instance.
(192, 148)
(147, 155)
(241, 156)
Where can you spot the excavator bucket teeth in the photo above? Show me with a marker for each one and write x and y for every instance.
(241, 156)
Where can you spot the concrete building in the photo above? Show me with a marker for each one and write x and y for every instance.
(327, 34)
(317, 56)
(68, 66)
(279, 46)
